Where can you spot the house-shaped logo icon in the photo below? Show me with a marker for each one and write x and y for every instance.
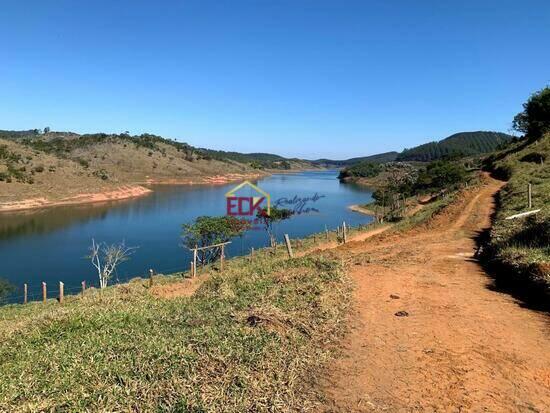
(247, 205)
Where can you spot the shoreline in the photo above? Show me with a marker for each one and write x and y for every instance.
(127, 191)
(123, 192)
(361, 210)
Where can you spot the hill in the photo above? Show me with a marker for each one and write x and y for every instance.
(458, 145)
(519, 249)
(262, 160)
(63, 167)
(375, 159)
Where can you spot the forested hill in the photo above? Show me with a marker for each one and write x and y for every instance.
(261, 160)
(459, 144)
(378, 158)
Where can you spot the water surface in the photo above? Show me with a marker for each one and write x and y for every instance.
(50, 245)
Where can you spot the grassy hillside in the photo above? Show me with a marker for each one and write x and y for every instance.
(457, 145)
(521, 247)
(27, 173)
(250, 340)
(58, 165)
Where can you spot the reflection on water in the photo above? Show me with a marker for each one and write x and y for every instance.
(50, 244)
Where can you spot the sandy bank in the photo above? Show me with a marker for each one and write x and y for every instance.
(206, 180)
(123, 192)
(361, 210)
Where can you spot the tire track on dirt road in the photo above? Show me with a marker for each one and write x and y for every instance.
(462, 346)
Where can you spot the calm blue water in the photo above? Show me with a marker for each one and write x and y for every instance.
(50, 245)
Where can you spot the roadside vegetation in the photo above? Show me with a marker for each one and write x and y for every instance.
(250, 339)
(403, 185)
(519, 249)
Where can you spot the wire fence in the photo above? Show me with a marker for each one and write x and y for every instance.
(19, 296)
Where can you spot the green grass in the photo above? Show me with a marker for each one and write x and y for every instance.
(522, 246)
(250, 339)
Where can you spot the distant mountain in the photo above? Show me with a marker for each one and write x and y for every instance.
(260, 160)
(457, 145)
(376, 159)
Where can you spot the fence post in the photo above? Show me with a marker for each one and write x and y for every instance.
(195, 262)
(344, 230)
(61, 292)
(222, 258)
(288, 246)
(83, 287)
(326, 232)
(150, 278)
(252, 251)
(44, 292)
(529, 196)
(191, 268)
(25, 289)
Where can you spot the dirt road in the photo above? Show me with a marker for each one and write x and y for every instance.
(429, 335)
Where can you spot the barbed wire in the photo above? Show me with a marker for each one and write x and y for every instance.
(52, 293)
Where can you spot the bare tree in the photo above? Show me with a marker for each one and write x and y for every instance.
(105, 258)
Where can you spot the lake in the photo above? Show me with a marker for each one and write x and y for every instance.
(50, 245)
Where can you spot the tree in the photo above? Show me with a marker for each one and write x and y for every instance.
(275, 215)
(439, 175)
(47, 129)
(534, 121)
(106, 258)
(206, 230)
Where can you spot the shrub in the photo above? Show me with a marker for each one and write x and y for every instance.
(534, 121)
(206, 230)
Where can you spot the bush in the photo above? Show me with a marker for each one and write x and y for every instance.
(534, 157)
(534, 121)
(440, 175)
(102, 173)
(361, 170)
(206, 230)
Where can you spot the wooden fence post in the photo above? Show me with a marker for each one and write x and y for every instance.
(326, 231)
(222, 258)
(25, 289)
(344, 230)
(529, 196)
(195, 261)
(288, 246)
(150, 278)
(83, 286)
(44, 292)
(61, 292)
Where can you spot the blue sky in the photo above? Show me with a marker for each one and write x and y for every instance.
(300, 78)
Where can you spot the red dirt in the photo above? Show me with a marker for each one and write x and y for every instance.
(123, 192)
(462, 346)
